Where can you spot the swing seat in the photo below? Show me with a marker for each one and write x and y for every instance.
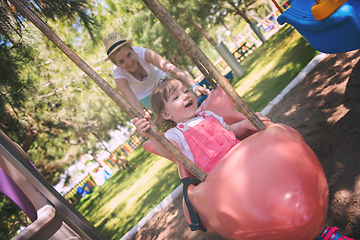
(269, 186)
(340, 32)
(325, 8)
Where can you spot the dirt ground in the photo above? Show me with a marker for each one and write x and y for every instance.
(324, 108)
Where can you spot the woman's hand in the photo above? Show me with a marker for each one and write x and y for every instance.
(173, 71)
(142, 125)
(198, 90)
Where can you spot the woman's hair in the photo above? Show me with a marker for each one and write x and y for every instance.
(160, 94)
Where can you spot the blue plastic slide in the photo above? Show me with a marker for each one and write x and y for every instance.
(338, 33)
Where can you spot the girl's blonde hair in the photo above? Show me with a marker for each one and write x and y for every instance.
(160, 94)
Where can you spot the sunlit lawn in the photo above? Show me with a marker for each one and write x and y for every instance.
(124, 199)
(272, 66)
(119, 204)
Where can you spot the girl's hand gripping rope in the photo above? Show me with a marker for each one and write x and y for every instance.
(142, 125)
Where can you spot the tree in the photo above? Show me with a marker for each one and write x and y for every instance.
(24, 99)
(11, 218)
(46, 99)
(221, 9)
(20, 62)
(242, 13)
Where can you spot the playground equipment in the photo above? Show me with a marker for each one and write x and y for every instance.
(337, 33)
(244, 50)
(14, 193)
(323, 9)
(206, 84)
(72, 195)
(101, 175)
(270, 186)
(52, 216)
(83, 191)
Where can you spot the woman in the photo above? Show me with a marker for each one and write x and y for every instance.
(136, 70)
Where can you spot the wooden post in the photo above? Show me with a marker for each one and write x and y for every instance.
(112, 93)
(191, 48)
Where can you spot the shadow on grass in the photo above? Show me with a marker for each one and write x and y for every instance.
(115, 223)
(149, 200)
(142, 161)
(287, 68)
(266, 50)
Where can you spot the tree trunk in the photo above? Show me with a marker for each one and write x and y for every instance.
(31, 135)
(191, 73)
(101, 142)
(223, 51)
(201, 30)
(252, 24)
(94, 156)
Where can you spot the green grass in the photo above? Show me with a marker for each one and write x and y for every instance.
(119, 204)
(272, 66)
(124, 199)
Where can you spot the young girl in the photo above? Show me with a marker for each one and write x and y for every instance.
(204, 138)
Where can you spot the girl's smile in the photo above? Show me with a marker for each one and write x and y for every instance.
(181, 105)
(189, 104)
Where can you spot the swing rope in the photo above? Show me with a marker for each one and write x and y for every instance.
(191, 48)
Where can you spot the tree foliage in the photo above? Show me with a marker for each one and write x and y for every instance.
(221, 11)
(10, 222)
(25, 112)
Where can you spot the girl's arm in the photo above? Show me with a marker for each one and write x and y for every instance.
(241, 127)
(173, 71)
(123, 85)
(142, 126)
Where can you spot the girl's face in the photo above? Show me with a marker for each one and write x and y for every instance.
(126, 59)
(181, 106)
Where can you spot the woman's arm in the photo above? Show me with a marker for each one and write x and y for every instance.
(123, 85)
(167, 67)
